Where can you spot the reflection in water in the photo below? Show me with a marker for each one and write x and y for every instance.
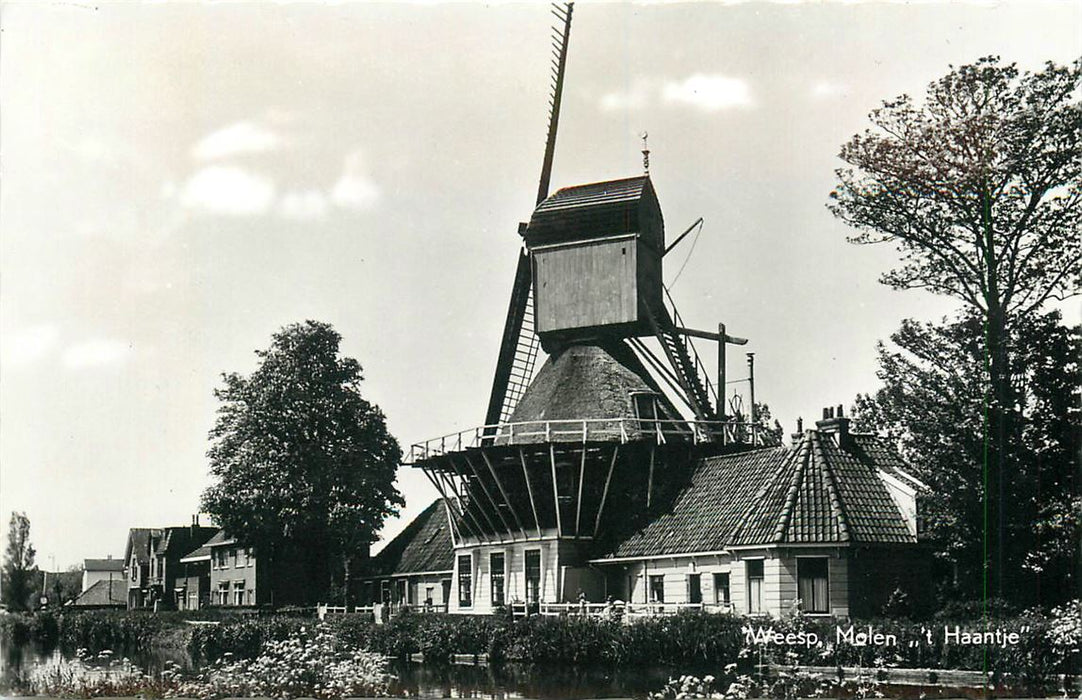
(525, 681)
(412, 679)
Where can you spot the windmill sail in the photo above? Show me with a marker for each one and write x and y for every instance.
(519, 345)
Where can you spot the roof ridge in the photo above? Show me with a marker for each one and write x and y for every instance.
(786, 515)
(836, 505)
(754, 501)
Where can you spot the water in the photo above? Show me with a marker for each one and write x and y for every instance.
(412, 679)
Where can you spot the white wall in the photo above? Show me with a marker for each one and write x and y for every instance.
(92, 577)
(515, 579)
(779, 578)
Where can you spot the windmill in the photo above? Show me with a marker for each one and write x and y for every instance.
(648, 310)
(565, 458)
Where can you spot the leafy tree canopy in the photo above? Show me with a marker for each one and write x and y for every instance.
(978, 187)
(304, 464)
(932, 404)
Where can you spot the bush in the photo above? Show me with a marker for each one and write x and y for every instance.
(116, 630)
(242, 638)
(310, 661)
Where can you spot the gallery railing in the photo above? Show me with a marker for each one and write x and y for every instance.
(621, 430)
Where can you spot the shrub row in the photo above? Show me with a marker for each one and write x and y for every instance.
(1049, 643)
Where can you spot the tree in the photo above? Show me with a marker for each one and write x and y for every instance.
(979, 189)
(932, 403)
(19, 572)
(305, 467)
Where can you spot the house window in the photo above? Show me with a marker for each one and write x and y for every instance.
(223, 593)
(498, 573)
(219, 558)
(533, 575)
(250, 556)
(429, 592)
(236, 558)
(695, 590)
(385, 592)
(657, 588)
(721, 589)
(811, 574)
(400, 591)
(465, 581)
(238, 593)
(755, 585)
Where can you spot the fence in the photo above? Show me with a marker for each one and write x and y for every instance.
(621, 430)
(615, 609)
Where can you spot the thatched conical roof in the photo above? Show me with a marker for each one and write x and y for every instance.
(590, 382)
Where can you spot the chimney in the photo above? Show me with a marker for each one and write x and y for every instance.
(799, 434)
(836, 425)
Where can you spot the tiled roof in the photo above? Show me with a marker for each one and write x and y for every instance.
(871, 512)
(219, 538)
(879, 452)
(815, 492)
(707, 510)
(425, 545)
(627, 190)
(139, 544)
(181, 540)
(198, 554)
(103, 594)
(103, 565)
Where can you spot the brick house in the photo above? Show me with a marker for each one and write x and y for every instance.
(236, 576)
(153, 567)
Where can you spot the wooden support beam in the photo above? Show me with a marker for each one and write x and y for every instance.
(491, 500)
(503, 492)
(555, 491)
(459, 512)
(605, 493)
(447, 508)
(464, 509)
(582, 475)
(711, 336)
(529, 490)
(650, 478)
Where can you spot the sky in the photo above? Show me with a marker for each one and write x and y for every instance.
(181, 180)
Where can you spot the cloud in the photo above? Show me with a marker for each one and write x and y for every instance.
(634, 97)
(96, 353)
(355, 189)
(229, 190)
(709, 92)
(25, 346)
(303, 205)
(825, 89)
(236, 139)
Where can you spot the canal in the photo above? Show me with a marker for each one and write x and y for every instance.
(19, 661)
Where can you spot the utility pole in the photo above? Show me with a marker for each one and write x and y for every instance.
(751, 394)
